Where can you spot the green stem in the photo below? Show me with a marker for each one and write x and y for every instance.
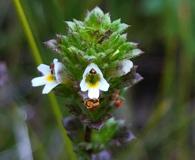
(28, 32)
(37, 57)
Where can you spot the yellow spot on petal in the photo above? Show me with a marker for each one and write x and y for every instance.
(92, 79)
(50, 78)
(93, 85)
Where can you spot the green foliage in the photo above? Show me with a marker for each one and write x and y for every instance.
(97, 40)
(105, 134)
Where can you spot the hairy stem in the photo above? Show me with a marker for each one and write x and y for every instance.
(87, 137)
(88, 134)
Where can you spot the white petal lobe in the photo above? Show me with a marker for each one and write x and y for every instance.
(38, 81)
(44, 69)
(104, 86)
(58, 69)
(83, 86)
(93, 93)
(125, 67)
(48, 87)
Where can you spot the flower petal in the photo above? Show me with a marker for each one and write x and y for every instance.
(49, 86)
(58, 70)
(93, 93)
(92, 66)
(125, 67)
(104, 85)
(44, 69)
(38, 81)
(83, 85)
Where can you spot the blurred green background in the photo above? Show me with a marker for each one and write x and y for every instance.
(160, 109)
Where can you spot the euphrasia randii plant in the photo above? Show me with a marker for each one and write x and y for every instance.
(93, 70)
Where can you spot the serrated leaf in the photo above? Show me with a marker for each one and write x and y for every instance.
(115, 25)
(134, 44)
(71, 25)
(76, 50)
(95, 12)
(133, 53)
(136, 52)
(123, 48)
(106, 133)
(106, 18)
(78, 23)
(124, 36)
(122, 27)
(93, 18)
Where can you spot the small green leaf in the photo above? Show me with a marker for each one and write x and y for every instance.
(71, 25)
(106, 133)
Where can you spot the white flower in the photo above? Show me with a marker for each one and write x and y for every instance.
(124, 67)
(93, 81)
(52, 76)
